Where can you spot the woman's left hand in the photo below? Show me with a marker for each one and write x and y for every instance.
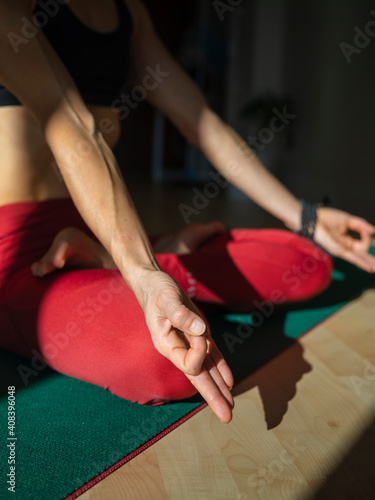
(331, 232)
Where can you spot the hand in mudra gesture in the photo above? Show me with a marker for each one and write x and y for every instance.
(169, 314)
(331, 232)
(171, 318)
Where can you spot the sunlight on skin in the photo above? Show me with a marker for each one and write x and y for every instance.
(197, 355)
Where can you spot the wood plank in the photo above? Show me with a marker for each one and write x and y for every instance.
(303, 427)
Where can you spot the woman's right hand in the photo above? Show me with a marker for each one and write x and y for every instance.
(180, 334)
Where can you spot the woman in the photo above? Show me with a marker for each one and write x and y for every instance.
(123, 319)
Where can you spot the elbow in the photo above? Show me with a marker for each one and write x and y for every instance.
(206, 126)
(88, 121)
(65, 115)
(71, 139)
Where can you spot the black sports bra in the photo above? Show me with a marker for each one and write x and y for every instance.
(97, 62)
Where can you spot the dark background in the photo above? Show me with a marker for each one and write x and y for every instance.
(261, 53)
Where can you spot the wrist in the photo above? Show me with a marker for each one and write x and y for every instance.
(293, 222)
(133, 254)
(310, 213)
(142, 283)
(134, 270)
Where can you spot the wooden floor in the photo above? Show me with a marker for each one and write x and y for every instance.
(311, 438)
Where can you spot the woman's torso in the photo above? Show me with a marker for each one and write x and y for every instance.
(28, 170)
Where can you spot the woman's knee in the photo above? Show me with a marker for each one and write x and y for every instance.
(311, 273)
(166, 383)
(152, 379)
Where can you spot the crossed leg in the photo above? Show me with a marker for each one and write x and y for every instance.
(88, 324)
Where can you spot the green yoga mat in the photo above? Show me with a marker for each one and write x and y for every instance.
(70, 433)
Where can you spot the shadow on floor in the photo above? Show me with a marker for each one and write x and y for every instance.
(354, 477)
(277, 381)
(246, 347)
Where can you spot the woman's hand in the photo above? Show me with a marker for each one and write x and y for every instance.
(169, 314)
(180, 334)
(331, 233)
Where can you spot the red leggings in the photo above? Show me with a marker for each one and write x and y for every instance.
(88, 324)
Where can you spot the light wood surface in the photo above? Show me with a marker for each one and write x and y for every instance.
(314, 438)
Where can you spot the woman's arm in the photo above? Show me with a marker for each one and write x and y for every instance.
(38, 78)
(183, 103)
(179, 98)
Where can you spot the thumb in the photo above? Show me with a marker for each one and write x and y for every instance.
(185, 319)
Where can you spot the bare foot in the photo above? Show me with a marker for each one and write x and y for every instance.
(187, 239)
(74, 249)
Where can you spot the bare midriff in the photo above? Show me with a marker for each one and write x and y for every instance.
(28, 169)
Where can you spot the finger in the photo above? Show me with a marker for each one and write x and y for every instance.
(187, 358)
(363, 261)
(360, 246)
(210, 385)
(359, 224)
(221, 404)
(365, 230)
(369, 261)
(221, 364)
(211, 393)
(212, 369)
(184, 319)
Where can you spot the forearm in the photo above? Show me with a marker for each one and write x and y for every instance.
(98, 190)
(232, 157)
